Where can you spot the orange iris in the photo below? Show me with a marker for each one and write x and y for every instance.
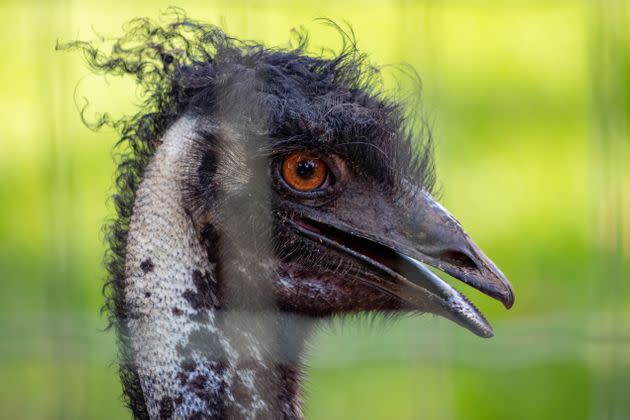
(304, 171)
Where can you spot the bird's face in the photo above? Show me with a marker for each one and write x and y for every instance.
(351, 229)
(333, 190)
(349, 242)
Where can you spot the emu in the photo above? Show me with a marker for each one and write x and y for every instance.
(263, 190)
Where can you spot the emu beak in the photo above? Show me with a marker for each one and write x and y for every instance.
(437, 238)
(398, 244)
(433, 236)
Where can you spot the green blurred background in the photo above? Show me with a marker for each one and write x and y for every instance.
(529, 101)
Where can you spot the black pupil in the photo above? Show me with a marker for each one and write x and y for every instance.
(305, 168)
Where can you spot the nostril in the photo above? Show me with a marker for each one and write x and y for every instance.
(458, 259)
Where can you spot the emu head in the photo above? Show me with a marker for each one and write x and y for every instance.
(279, 189)
(296, 174)
(306, 197)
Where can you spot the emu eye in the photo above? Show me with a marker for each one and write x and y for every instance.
(304, 171)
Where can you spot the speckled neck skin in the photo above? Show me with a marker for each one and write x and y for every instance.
(196, 358)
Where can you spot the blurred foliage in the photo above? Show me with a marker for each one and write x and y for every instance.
(529, 101)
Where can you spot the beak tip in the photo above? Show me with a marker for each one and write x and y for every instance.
(508, 296)
(509, 302)
(487, 334)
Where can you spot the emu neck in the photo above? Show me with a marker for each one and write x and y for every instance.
(193, 356)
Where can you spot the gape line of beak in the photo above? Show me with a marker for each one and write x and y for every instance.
(408, 279)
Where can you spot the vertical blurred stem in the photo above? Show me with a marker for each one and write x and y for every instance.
(609, 148)
(50, 20)
(416, 33)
